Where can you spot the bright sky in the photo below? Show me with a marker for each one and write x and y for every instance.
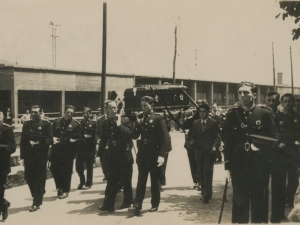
(233, 38)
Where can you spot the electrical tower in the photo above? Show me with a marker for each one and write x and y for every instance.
(54, 36)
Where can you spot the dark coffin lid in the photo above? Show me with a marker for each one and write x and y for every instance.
(173, 95)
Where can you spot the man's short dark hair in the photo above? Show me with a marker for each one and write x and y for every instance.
(204, 106)
(119, 103)
(69, 107)
(110, 101)
(201, 101)
(88, 109)
(105, 103)
(288, 95)
(271, 93)
(148, 99)
(36, 107)
(248, 84)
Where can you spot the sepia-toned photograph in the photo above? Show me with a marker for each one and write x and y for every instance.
(164, 112)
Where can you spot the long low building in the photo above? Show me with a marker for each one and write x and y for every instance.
(53, 89)
(222, 93)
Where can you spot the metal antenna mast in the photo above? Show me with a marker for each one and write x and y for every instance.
(54, 36)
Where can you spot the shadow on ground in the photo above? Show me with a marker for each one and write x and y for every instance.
(17, 210)
(184, 200)
(190, 208)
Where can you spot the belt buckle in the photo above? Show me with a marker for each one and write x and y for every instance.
(247, 146)
(144, 141)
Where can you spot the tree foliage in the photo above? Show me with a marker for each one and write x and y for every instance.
(291, 9)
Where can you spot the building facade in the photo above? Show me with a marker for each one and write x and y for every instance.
(53, 89)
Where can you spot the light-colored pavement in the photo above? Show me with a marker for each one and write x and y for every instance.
(180, 204)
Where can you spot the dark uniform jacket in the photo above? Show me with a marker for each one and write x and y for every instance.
(115, 138)
(88, 127)
(98, 126)
(65, 130)
(288, 128)
(36, 131)
(206, 139)
(155, 139)
(7, 147)
(259, 120)
(289, 132)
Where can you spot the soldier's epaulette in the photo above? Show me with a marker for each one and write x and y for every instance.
(231, 109)
(160, 115)
(266, 107)
(7, 125)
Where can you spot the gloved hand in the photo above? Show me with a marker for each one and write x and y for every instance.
(281, 145)
(21, 161)
(254, 148)
(213, 150)
(34, 143)
(119, 120)
(55, 140)
(227, 175)
(98, 160)
(160, 161)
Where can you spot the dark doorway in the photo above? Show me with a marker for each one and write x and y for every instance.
(82, 99)
(49, 101)
(5, 101)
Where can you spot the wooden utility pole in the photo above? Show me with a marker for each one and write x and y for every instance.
(175, 53)
(292, 79)
(103, 77)
(274, 79)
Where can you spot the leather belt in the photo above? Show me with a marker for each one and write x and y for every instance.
(147, 141)
(64, 140)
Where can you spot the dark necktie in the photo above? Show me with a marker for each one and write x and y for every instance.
(203, 125)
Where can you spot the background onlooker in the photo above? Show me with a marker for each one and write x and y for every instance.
(25, 117)
(8, 117)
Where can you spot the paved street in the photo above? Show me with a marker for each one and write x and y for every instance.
(180, 204)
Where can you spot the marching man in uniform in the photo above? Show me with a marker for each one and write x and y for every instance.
(99, 122)
(7, 147)
(113, 153)
(246, 158)
(152, 148)
(288, 125)
(87, 149)
(66, 132)
(34, 146)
